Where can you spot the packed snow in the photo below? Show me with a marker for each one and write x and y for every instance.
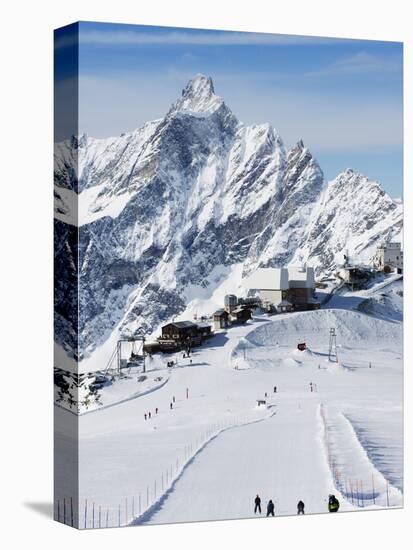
(333, 425)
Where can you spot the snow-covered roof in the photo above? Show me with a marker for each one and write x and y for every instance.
(390, 245)
(182, 324)
(203, 325)
(220, 312)
(238, 310)
(284, 303)
(267, 278)
(301, 277)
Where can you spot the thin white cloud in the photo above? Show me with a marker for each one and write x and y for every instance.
(184, 37)
(359, 63)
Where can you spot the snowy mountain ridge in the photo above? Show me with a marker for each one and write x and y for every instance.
(161, 209)
(198, 97)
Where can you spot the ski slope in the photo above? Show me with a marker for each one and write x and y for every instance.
(281, 458)
(208, 456)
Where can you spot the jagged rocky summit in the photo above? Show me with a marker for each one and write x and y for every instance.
(160, 209)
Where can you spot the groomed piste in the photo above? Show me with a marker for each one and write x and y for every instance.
(330, 424)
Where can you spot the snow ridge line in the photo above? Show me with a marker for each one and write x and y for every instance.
(124, 400)
(376, 470)
(335, 474)
(155, 506)
(372, 291)
(133, 396)
(377, 491)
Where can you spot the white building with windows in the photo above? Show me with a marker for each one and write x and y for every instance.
(389, 257)
(301, 277)
(270, 283)
(283, 288)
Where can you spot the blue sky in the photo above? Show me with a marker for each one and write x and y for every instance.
(342, 97)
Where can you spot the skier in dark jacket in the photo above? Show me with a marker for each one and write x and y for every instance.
(333, 504)
(270, 508)
(300, 507)
(257, 502)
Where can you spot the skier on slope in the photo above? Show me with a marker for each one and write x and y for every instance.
(333, 504)
(300, 507)
(257, 502)
(270, 508)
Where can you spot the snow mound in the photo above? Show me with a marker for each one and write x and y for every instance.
(291, 362)
(352, 327)
(386, 304)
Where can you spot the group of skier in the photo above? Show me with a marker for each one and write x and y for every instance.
(274, 390)
(313, 387)
(333, 506)
(148, 415)
(257, 507)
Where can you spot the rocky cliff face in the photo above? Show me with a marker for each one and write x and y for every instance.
(159, 209)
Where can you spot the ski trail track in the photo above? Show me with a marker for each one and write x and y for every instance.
(355, 475)
(158, 504)
(285, 465)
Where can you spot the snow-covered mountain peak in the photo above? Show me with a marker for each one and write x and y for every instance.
(170, 209)
(351, 179)
(83, 140)
(297, 150)
(299, 146)
(303, 171)
(200, 85)
(198, 96)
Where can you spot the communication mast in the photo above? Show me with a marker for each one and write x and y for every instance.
(332, 347)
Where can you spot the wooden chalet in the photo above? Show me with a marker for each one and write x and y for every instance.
(221, 319)
(180, 331)
(240, 315)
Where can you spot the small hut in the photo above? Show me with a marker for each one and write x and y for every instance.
(284, 306)
(221, 319)
(240, 315)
